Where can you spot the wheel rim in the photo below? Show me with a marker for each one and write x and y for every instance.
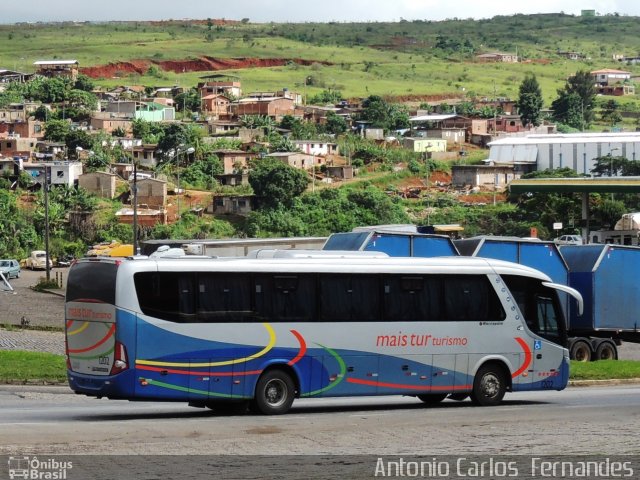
(490, 385)
(606, 353)
(275, 392)
(581, 353)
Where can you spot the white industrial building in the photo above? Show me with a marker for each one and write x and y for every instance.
(577, 151)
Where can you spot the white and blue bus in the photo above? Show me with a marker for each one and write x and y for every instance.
(260, 332)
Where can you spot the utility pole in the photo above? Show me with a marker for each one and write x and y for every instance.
(135, 208)
(46, 221)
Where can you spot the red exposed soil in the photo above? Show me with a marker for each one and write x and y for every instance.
(201, 64)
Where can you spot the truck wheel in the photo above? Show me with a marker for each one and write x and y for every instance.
(606, 351)
(489, 386)
(432, 398)
(580, 351)
(275, 392)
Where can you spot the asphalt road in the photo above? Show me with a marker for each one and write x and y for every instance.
(593, 420)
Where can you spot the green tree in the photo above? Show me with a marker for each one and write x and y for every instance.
(50, 90)
(610, 112)
(576, 101)
(336, 124)
(275, 183)
(530, 101)
(201, 174)
(84, 83)
(568, 110)
(307, 215)
(384, 115)
(42, 113)
(188, 101)
(56, 130)
(81, 99)
(17, 233)
(78, 138)
(609, 165)
(326, 97)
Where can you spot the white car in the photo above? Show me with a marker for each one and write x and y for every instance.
(568, 240)
(38, 260)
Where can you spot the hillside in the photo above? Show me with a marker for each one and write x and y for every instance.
(418, 59)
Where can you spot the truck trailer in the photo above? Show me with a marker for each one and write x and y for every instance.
(605, 275)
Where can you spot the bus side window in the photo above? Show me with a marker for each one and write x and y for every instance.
(224, 297)
(286, 298)
(166, 295)
(466, 297)
(538, 304)
(186, 303)
(344, 298)
(414, 298)
(546, 316)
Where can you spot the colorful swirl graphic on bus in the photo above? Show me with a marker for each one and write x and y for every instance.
(91, 332)
(528, 356)
(271, 344)
(419, 383)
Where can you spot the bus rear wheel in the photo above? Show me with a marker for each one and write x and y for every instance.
(275, 392)
(432, 398)
(489, 386)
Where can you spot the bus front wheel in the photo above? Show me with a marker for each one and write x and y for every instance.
(489, 386)
(275, 392)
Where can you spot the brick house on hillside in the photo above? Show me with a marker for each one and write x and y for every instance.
(216, 104)
(30, 128)
(228, 88)
(152, 192)
(234, 161)
(497, 57)
(102, 184)
(272, 107)
(109, 122)
(57, 68)
(613, 82)
(18, 146)
(304, 161)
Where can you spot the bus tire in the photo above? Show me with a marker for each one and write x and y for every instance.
(432, 398)
(275, 392)
(489, 385)
(606, 351)
(580, 351)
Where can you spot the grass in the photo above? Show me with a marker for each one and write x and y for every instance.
(605, 369)
(366, 58)
(19, 366)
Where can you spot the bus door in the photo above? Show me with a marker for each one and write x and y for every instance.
(407, 374)
(547, 352)
(443, 373)
(362, 374)
(218, 380)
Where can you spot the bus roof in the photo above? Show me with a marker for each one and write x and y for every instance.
(352, 263)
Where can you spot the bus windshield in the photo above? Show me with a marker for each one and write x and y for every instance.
(540, 307)
(93, 281)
